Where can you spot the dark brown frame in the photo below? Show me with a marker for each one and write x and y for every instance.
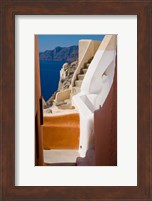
(8, 10)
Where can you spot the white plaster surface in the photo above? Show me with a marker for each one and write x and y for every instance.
(57, 112)
(60, 156)
(94, 89)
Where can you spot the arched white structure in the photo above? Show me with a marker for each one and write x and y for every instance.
(94, 90)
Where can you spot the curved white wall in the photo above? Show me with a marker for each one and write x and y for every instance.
(94, 89)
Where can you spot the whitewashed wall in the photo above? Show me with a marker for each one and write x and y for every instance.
(94, 89)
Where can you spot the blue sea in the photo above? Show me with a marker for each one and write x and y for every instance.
(49, 75)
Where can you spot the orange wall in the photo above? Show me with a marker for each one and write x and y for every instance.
(61, 132)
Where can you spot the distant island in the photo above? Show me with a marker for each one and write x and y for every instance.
(65, 54)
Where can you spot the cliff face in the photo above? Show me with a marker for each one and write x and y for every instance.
(66, 75)
(66, 54)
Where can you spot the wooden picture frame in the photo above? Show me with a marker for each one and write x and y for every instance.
(8, 10)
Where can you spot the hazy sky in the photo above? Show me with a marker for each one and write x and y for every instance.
(49, 42)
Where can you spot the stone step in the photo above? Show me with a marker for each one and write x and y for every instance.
(61, 157)
(78, 83)
(90, 60)
(81, 76)
(84, 70)
(87, 65)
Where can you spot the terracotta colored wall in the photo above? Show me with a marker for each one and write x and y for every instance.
(106, 129)
(38, 129)
(61, 132)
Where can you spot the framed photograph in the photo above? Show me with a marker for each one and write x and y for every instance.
(75, 86)
(75, 100)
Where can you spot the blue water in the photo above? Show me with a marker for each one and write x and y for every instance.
(49, 75)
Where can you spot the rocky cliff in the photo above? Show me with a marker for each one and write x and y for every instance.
(66, 54)
(66, 75)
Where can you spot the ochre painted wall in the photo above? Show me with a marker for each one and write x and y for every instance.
(61, 132)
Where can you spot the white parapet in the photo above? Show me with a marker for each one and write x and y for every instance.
(94, 89)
